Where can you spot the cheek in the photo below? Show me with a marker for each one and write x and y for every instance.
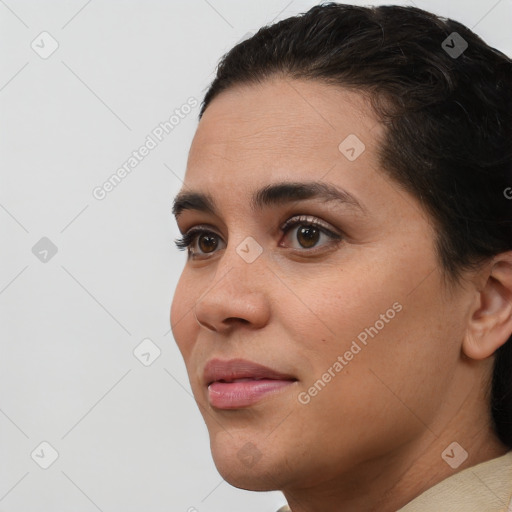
(397, 346)
(384, 395)
(328, 311)
(183, 324)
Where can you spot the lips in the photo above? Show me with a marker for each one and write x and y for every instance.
(240, 383)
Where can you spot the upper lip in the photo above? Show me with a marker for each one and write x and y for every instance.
(217, 369)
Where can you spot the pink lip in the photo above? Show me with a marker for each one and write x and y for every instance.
(223, 393)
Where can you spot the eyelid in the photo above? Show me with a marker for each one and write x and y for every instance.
(307, 219)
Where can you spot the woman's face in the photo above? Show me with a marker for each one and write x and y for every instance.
(350, 314)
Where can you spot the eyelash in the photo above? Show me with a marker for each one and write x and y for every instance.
(185, 241)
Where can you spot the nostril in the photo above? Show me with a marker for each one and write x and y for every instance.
(234, 319)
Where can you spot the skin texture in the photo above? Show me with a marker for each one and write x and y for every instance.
(372, 438)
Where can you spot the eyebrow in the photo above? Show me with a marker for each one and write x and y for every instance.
(270, 195)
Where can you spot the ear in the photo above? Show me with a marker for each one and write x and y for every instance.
(490, 323)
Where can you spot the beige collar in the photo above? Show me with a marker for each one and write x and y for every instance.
(486, 487)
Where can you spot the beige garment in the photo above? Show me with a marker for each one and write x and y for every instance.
(486, 487)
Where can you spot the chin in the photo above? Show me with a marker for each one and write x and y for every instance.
(248, 479)
(245, 467)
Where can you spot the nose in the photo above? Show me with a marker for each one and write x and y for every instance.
(238, 295)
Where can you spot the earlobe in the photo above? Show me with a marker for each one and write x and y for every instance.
(490, 322)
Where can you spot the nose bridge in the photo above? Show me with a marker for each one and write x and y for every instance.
(242, 263)
(237, 290)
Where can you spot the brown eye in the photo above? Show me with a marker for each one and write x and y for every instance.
(309, 232)
(308, 236)
(207, 243)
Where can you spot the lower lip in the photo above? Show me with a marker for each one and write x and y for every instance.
(233, 395)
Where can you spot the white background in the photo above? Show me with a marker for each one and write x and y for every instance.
(129, 437)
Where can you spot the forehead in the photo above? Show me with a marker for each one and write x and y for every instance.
(286, 127)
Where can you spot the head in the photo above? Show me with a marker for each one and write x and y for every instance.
(386, 309)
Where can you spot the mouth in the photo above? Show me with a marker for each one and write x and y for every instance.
(239, 383)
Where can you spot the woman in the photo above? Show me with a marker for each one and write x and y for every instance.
(345, 312)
